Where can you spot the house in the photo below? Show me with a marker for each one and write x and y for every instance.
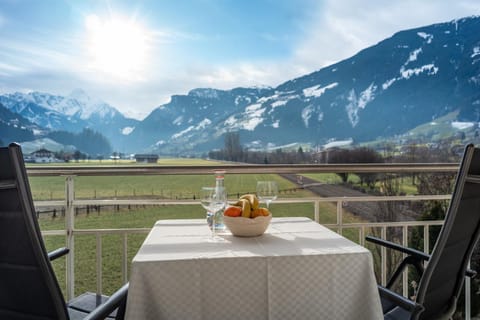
(146, 158)
(42, 156)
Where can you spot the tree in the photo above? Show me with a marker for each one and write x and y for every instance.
(233, 148)
(411, 156)
(300, 155)
(77, 155)
(366, 155)
(340, 156)
(357, 155)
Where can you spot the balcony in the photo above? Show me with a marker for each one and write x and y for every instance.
(79, 215)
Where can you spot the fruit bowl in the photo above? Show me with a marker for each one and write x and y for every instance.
(247, 227)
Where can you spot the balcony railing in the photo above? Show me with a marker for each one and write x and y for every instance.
(70, 203)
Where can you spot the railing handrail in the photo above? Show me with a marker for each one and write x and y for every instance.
(115, 170)
(146, 201)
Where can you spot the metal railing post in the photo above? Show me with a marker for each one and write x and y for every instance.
(468, 297)
(124, 258)
(383, 254)
(316, 212)
(340, 216)
(69, 226)
(99, 264)
(426, 239)
(405, 273)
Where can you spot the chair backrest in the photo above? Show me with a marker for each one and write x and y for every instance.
(28, 287)
(444, 275)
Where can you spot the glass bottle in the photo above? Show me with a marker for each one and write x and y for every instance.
(219, 187)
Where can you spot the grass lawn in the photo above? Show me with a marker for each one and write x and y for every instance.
(162, 186)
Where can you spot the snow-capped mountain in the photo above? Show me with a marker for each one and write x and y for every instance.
(413, 78)
(79, 104)
(193, 119)
(409, 79)
(69, 113)
(14, 127)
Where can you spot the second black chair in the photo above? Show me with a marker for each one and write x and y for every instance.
(442, 278)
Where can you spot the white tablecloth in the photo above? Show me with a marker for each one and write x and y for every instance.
(297, 270)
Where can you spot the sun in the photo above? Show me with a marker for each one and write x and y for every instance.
(116, 46)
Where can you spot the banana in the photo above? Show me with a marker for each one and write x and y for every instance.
(246, 207)
(254, 204)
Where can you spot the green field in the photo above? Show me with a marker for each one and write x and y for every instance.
(161, 187)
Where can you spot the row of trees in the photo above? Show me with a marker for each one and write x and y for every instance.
(444, 151)
(234, 151)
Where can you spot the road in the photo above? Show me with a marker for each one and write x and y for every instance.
(370, 211)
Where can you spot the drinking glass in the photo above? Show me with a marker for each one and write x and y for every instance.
(267, 191)
(214, 200)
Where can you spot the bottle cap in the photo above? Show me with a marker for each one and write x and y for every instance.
(219, 173)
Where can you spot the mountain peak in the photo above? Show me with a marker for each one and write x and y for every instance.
(79, 94)
(204, 93)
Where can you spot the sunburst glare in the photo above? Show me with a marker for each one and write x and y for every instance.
(117, 46)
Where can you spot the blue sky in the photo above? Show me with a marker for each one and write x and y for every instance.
(135, 54)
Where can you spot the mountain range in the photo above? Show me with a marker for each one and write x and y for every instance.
(387, 90)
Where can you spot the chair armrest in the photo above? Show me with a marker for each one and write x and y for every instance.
(399, 300)
(60, 252)
(414, 258)
(470, 273)
(116, 300)
(413, 252)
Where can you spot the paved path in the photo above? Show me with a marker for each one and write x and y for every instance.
(370, 211)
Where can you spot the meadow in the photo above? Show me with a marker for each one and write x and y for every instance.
(157, 187)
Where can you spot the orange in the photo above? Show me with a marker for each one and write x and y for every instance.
(232, 211)
(260, 212)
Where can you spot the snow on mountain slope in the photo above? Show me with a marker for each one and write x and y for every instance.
(409, 79)
(77, 104)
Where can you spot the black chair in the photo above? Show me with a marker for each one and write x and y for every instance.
(442, 278)
(28, 286)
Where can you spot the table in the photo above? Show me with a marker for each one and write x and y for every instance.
(298, 269)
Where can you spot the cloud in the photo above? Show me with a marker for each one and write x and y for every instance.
(7, 69)
(158, 90)
(339, 29)
(239, 74)
(333, 32)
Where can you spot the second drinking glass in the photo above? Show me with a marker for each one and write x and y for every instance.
(214, 200)
(267, 191)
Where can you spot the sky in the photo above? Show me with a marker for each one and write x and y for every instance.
(134, 55)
